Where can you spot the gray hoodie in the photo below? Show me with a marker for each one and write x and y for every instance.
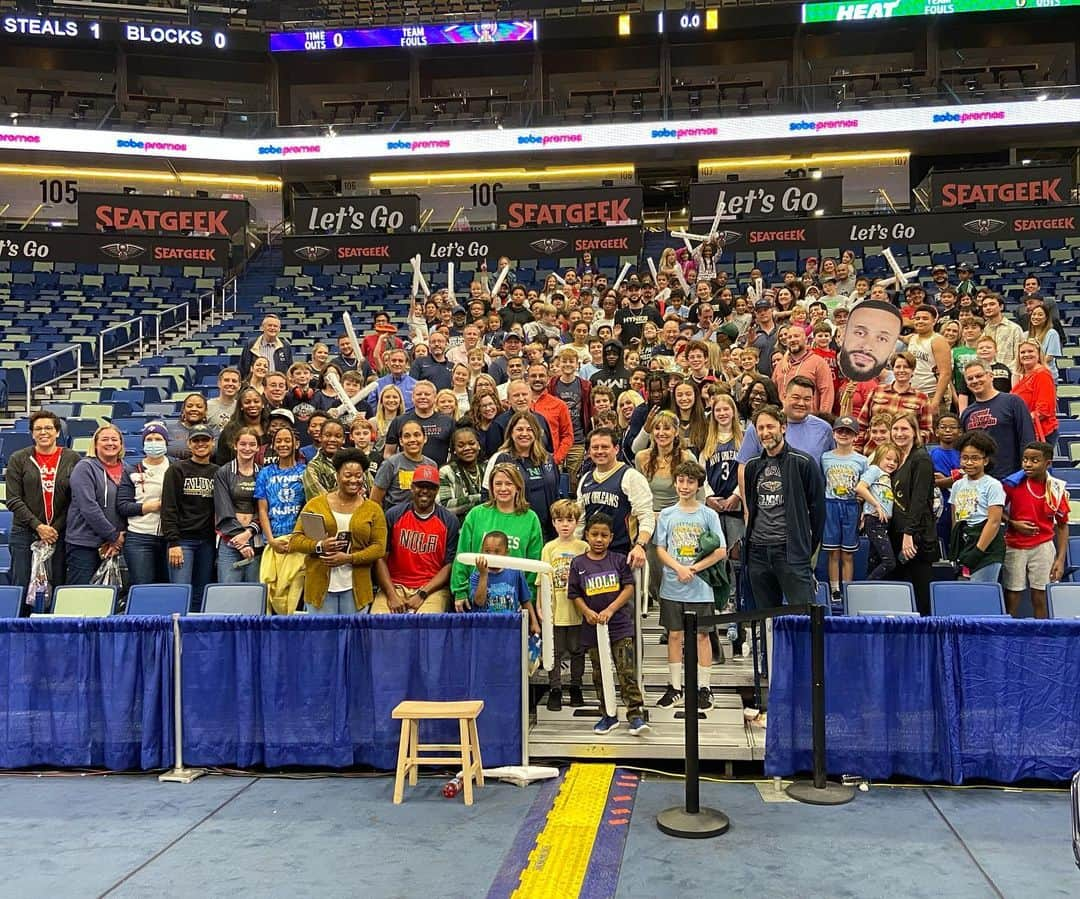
(93, 518)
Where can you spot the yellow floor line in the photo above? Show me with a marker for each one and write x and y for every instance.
(560, 859)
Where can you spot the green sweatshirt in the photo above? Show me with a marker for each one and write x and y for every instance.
(525, 537)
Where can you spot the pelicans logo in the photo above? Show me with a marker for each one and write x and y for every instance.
(123, 251)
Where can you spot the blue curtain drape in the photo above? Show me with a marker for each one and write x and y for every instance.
(938, 699)
(315, 691)
(86, 693)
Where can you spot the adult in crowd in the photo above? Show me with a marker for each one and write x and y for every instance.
(912, 528)
(657, 464)
(612, 373)
(269, 345)
(397, 363)
(1004, 416)
(519, 398)
(437, 426)
(326, 397)
(256, 377)
(461, 480)
(320, 475)
(1007, 334)
(391, 404)
(435, 367)
(251, 412)
(508, 511)
(896, 397)
(524, 448)
(38, 482)
(1041, 330)
(553, 410)
(187, 514)
(802, 431)
(800, 361)
(621, 492)
(139, 502)
(221, 408)
(785, 514)
(346, 359)
(279, 497)
(192, 412)
(394, 477)
(95, 527)
(482, 416)
(235, 516)
(1038, 390)
(764, 331)
(383, 335)
(275, 389)
(422, 541)
(337, 575)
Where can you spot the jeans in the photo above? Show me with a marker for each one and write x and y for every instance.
(339, 602)
(197, 570)
(881, 561)
(988, 574)
(147, 557)
(227, 557)
(773, 578)
(82, 562)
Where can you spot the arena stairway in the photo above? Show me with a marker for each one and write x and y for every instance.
(724, 734)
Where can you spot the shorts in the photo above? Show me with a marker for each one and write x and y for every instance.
(841, 525)
(671, 613)
(1028, 567)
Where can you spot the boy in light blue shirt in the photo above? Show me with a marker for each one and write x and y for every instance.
(681, 589)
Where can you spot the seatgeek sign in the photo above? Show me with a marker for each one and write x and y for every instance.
(539, 142)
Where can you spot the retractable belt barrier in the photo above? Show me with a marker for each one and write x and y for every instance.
(690, 820)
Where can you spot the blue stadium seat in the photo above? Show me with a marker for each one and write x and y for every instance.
(11, 600)
(159, 599)
(966, 598)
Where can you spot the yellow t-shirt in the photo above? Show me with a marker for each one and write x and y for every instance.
(558, 554)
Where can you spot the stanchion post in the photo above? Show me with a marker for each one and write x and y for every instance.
(179, 774)
(690, 821)
(819, 791)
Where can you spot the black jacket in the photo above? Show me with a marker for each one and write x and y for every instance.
(24, 499)
(913, 509)
(804, 500)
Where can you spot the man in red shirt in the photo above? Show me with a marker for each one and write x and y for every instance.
(421, 544)
(554, 410)
(1037, 538)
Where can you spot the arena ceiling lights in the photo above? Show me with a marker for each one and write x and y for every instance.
(836, 126)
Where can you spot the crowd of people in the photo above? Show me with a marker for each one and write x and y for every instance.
(722, 435)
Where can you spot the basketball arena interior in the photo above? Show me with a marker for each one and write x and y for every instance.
(370, 365)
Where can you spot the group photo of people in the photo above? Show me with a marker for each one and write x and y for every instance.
(737, 441)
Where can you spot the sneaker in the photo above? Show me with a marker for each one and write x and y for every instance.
(663, 638)
(554, 702)
(704, 699)
(576, 699)
(746, 649)
(638, 726)
(606, 725)
(672, 698)
(837, 598)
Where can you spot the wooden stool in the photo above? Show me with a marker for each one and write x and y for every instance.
(409, 748)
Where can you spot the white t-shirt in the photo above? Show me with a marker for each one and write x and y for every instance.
(341, 576)
(148, 480)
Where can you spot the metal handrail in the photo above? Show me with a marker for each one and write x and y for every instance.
(101, 341)
(76, 348)
(202, 317)
(159, 313)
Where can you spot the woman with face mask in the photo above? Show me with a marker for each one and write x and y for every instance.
(139, 501)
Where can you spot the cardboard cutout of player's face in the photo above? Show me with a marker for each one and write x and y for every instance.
(869, 340)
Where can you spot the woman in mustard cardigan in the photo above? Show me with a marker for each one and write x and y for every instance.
(338, 580)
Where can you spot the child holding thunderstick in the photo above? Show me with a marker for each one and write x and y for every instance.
(601, 585)
(500, 589)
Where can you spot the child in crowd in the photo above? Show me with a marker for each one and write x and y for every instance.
(986, 350)
(978, 502)
(677, 536)
(875, 489)
(500, 589)
(1037, 538)
(971, 329)
(842, 467)
(601, 585)
(946, 459)
(878, 430)
(559, 553)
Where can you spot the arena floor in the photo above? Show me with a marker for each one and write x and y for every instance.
(71, 836)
